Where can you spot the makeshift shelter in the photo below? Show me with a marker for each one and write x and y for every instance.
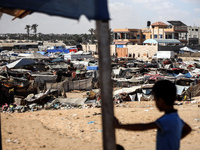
(187, 49)
(36, 56)
(20, 62)
(97, 10)
(161, 41)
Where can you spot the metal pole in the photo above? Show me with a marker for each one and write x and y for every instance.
(103, 37)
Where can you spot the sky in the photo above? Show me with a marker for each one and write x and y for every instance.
(123, 14)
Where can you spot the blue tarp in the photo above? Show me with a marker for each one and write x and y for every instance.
(41, 52)
(120, 46)
(92, 9)
(58, 50)
(186, 75)
(92, 67)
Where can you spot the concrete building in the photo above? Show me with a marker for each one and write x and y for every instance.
(193, 35)
(127, 36)
(159, 30)
(123, 38)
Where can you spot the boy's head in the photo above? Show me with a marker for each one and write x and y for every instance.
(165, 90)
(119, 147)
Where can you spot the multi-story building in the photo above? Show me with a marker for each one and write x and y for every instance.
(193, 35)
(127, 36)
(158, 33)
(158, 30)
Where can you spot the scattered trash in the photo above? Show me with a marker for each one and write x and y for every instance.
(197, 120)
(98, 130)
(12, 141)
(90, 122)
(178, 104)
(96, 114)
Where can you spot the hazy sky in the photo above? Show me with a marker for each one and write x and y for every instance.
(123, 14)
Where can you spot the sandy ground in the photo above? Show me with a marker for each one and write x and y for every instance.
(75, 129)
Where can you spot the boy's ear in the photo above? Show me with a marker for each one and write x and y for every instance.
(161, 101)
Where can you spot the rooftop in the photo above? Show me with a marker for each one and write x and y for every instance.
(157, 41)
(159, 24)
(177, 23)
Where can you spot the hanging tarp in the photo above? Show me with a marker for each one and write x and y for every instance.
(44, 78)
(92, 9)
(180, 89)
(85, 84)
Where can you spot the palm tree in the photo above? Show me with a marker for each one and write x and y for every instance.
(34, 28)
(28, 30)
(92, 32)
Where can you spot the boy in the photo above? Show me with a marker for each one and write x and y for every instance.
(170, 128)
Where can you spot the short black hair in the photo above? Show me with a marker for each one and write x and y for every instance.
(119, 147)
(166, 90)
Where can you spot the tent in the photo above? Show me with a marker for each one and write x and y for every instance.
(187, 49)
(163, 41)
(20, 62)
(92, 9)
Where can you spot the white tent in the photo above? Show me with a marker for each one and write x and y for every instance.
(20, 62)
(187, 49)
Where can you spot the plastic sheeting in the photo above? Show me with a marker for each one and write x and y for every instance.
(85, 84)
(71, 101)
(180, 89)
(92, 9)
(20, 62)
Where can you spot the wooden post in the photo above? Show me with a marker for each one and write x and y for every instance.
(0, 134)
(103, 37)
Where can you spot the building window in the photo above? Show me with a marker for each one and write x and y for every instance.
(196, 29)
(155, 36)
(133, 37)
(170, 36)
(194, 36)
(138, 36)
(160, 36)
(192, 29)
(144, 36)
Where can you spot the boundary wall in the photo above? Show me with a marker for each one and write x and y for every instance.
(140, 51)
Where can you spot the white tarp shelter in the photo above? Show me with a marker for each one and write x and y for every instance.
(187, 49)
(20, 62)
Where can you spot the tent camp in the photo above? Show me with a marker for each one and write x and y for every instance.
(20, 62)
(92, 9)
